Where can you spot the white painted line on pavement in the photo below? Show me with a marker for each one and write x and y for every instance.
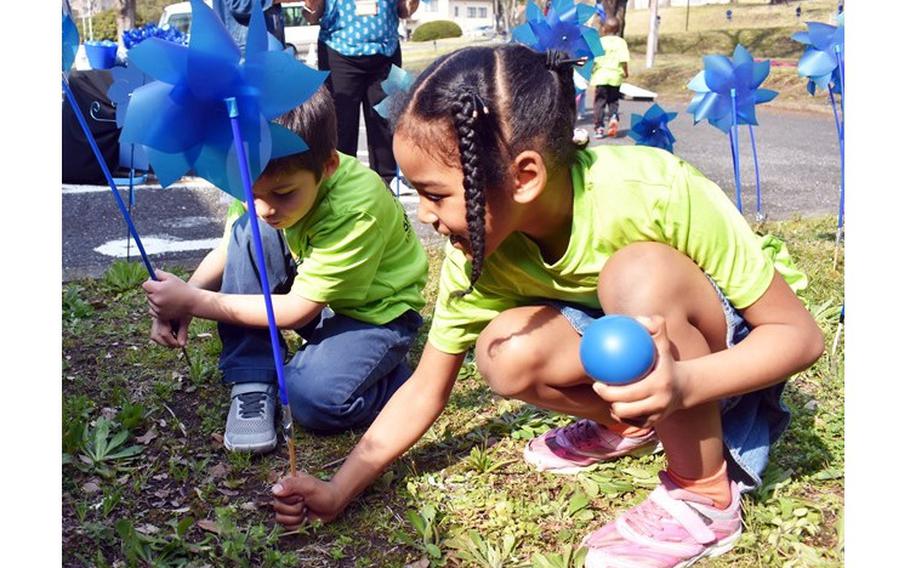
(156, 244)
(193, 184)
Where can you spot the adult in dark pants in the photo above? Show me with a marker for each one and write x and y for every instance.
(358, 44)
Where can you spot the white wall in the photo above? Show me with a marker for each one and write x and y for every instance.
(643, 4)
(455, 10)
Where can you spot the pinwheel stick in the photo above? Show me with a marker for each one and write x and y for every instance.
(837, 334)
(110, 181)
(760, 215)
(840, 139)
(131, 199)
(286, 418)
(734, 143)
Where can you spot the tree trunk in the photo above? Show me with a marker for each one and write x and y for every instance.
(126, 17)
(617, 8)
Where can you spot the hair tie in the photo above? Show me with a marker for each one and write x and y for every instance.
(477, 100)
(557, 60)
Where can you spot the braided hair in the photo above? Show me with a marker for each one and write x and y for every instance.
(496, 102)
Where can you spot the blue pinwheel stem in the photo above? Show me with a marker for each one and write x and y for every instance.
(132, 199)
(840, 73)
(757, 177)
(840, 140)
(233, 113)
(840, 134)
(107, 175)
(734, 139)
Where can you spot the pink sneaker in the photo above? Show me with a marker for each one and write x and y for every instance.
(580, 445)
(673, 528)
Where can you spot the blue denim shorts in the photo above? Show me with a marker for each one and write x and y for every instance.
(751, 422)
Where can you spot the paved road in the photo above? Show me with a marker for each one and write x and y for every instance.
(798, 155)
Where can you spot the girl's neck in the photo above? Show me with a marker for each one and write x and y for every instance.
(549, 221)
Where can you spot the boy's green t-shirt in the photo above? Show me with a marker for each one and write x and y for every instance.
(356, 250)
(607, 69)
(622, 195)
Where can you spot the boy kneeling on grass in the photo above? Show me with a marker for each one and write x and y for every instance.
(346, 272)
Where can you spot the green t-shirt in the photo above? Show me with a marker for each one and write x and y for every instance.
(607, 69)
(356, 250)
(622, 195)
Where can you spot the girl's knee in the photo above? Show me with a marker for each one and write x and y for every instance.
(645, 278)
(507, 360)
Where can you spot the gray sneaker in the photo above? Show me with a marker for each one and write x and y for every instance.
(251, 419)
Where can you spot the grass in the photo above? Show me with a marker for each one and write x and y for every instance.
(462, 496)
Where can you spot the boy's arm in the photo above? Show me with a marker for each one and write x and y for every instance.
(403, 421)
(291, 311)
(170, 298)
(625, 70)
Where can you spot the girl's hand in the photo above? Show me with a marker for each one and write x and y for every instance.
(170, 298)
(304, 498)
(162, 333)
(654, 397)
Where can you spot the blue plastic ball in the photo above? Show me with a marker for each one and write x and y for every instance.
(617, 350)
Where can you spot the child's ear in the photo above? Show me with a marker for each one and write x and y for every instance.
(331, 165)
(529, 176)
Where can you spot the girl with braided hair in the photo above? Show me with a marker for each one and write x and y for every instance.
(545, 236)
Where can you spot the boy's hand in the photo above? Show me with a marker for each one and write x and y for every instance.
(162, 333)
(304, 498)
(170, 298)
(654, 397)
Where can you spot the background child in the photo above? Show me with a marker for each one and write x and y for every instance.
(544, 237)
(609, 71)
(347, 273)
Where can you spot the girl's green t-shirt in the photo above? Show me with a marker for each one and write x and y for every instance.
(622, 195)
(356, 250)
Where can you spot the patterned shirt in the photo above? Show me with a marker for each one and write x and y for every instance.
(373, 32)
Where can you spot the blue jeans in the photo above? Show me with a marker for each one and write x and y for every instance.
(750, 422)
(346, 371)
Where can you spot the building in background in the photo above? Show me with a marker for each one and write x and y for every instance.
(474, 17)
(643, 4)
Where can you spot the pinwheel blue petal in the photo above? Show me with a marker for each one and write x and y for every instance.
(70, 42)
(168, 167)
(285, 142)
(821, 35)
(760, 72)
(155, 120)
(281, 80)
(815, 63)
(212, 63)
(718, 73)
(764, 95)
(160, 59)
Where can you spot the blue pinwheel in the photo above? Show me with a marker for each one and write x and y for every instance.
(209, 111)
(823, 63)
(562, 29)
(824, 54)
(398, 81)
(727, 91)
(181, 117)
(652, 130)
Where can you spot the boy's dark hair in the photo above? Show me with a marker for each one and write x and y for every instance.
(496, 102)
(314, 121)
